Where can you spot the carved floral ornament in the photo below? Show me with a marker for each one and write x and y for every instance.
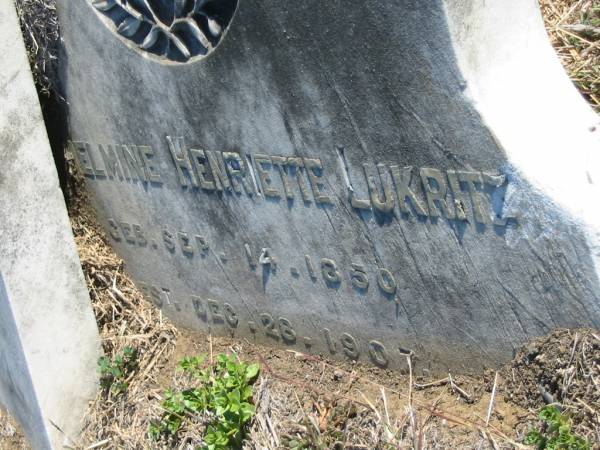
(174, 30)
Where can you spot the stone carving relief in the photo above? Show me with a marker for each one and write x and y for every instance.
(174, 30)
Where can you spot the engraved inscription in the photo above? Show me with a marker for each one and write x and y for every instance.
(194, 246)
(471, 197)
(215, 312)
(224, 315)
(125, 163)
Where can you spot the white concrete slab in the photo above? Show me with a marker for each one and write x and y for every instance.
(49, 340)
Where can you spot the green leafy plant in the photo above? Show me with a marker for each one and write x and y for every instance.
(222, 397)
(113, 373)
(556, 433)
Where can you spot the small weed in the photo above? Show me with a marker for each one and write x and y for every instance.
(114, 373)
(555, 433)
(223, 398)
(591, 16)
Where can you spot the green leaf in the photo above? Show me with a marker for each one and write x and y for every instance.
(154, 430)
(246, 393)
(224, 390)
(103, 361)
(557, 434)
(252, 372)
(234, 396)
(550, 414)
(119, 387)
(174, 425)
(247, 412)
(534, 437)
(564, 430)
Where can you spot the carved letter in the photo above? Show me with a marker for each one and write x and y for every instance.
(236, 167)
(169, 240)
(97, 170)
(251, 261)
(496, 181)
(199, 307)
(113, 230)
(312, 165)
(139, 235)
(402, 182)
(384, 206)
(202, 244)
(80, 152)
(279, 162)
(126, 229)
(184, 243)
(146, 155)
(200, 165)
(460, 205)
(230, 315)
(182, 161)
(111, 163)
(297, 164)
(130, 160)
(215, 311)
(436, 194)
(481, 207)
(265, 178)
(219, 172)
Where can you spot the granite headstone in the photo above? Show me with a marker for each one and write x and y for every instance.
(364, 179)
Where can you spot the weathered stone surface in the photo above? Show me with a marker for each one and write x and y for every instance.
(49, 341)
(359, 178)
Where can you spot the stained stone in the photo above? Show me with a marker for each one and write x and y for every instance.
(361, 179)
(49, 341)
